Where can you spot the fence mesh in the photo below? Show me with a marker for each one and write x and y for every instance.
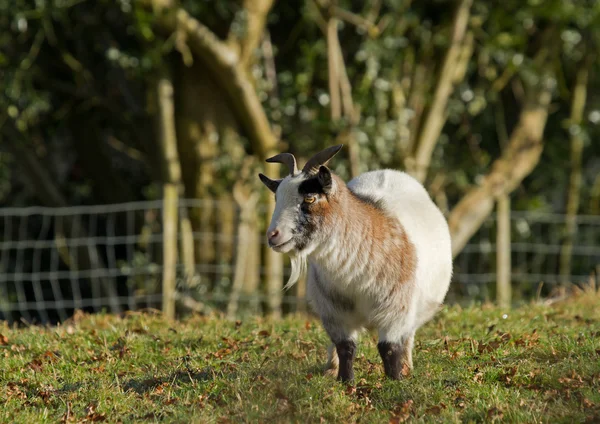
(109, 257)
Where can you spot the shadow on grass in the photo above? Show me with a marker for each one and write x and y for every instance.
(144, 385)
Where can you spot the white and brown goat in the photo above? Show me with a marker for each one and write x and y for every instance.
(378, 251)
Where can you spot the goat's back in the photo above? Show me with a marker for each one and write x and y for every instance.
(403, 197)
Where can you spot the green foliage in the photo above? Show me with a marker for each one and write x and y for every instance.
(533, 364)
(69, 62)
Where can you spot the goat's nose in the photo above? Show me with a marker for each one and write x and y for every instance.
(272, 235)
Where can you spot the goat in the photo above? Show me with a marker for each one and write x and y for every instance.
(378, 250)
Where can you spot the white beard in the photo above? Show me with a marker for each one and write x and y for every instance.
(299, 265)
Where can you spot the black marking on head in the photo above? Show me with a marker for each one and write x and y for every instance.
(324, 177)
(310, 186)
(321, 183)
(305, 227)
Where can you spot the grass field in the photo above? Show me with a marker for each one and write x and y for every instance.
(538, 363)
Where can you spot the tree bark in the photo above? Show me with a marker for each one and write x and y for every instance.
(577, 109)
(333, 69)
(454, 62)
(340, 93)
(171, 171)
(256, 17)
(203, 122)
(245, 275)
(516, 162)
(503, 266)
(187, 247)
(227, 69)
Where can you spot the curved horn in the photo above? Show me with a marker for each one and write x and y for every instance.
(321, 158)
(287, 159)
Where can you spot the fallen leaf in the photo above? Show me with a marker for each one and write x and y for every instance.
(587, 403)
(35, 365)
(13, 390)
(402, 412)
(3, 340)
(264, 333)
(495, 414)
(436, 409)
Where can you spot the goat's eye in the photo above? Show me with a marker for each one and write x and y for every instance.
(309, 199)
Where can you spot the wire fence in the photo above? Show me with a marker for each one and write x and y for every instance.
(54, 261)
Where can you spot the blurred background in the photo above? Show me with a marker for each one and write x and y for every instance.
(132, 132)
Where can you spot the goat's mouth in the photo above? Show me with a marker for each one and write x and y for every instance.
(282, 247)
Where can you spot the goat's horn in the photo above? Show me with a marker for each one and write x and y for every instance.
(287, 159)
(320, 158)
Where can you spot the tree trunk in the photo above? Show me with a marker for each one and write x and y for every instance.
(226, 229)
(246, 275)
(187, 248)
(224, 64)
(454, 63)
(230, 74)
(203, 120)
(171, 171)
(517, 161)
(503, 267)
(577, 108)
(169, 224)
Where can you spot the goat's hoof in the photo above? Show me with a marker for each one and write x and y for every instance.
(331, 372)
(399, 374)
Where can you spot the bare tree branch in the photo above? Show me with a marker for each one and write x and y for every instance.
(517, 161)
(577, 108)
(228, 70)
(356, 20)
(333, 67)
(256, 17)
(436, 116)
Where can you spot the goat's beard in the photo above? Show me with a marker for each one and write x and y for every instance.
(299, 264)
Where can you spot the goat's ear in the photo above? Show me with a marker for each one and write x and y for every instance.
(271, 184)
(324, 177)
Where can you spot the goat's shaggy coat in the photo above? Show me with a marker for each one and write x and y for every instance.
(378, 251)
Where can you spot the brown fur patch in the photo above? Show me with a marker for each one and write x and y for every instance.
(381, 240)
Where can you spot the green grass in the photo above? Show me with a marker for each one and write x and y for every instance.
(535, 364)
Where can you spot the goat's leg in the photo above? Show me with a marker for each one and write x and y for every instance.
(344, 341)
(333, 362)
(397, 356)
(346, 350)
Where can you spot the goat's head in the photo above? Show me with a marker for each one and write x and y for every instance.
(301, 198)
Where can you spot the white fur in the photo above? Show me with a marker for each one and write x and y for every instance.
(404, 198)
